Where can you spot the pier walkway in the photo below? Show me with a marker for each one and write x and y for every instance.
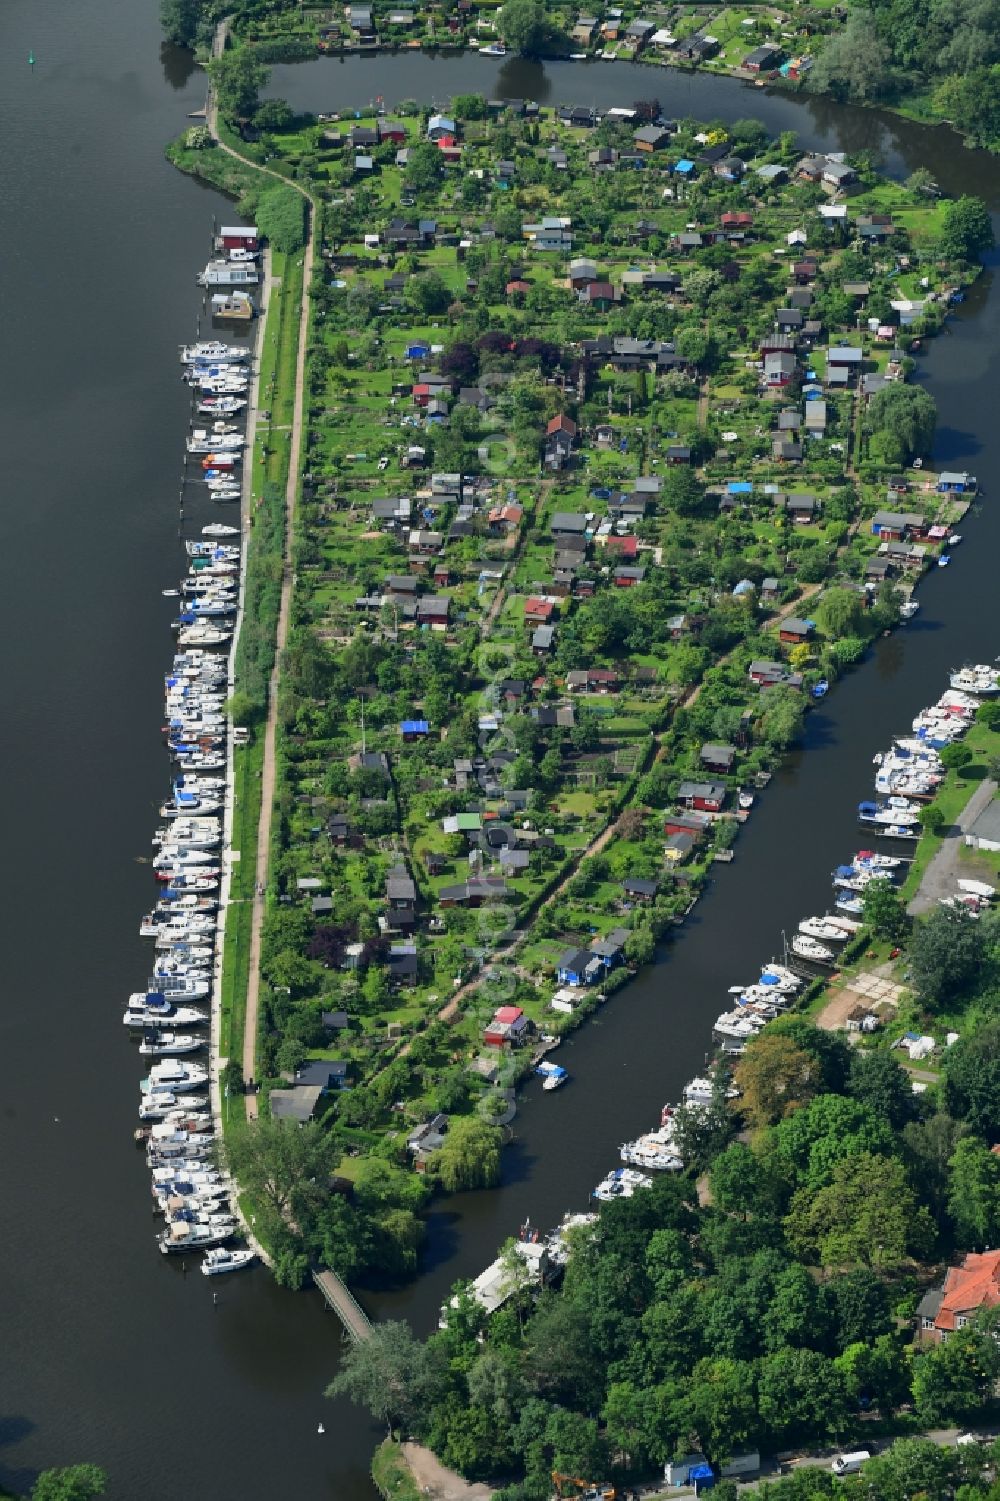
(349, 1311)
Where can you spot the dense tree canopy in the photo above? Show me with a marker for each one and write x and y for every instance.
(900, 421)
(71, 1483)
(527, 27)
(968, 229)
(281, 216)
(947, 952)
(238, 78)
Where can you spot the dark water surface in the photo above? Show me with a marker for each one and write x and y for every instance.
(106, 1351)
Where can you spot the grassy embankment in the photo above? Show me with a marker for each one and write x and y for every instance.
(255, 654)
(391, 1473)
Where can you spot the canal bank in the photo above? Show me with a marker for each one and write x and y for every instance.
(90, 1307)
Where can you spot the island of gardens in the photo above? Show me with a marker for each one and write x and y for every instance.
(613, 461)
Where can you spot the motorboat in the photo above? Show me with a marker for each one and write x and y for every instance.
(152, 1009)
(620, 1183)
(167, 1141)
(204, 635)
(944, 560)
(171, 1147)
(811, 949)
(763, 995)
(186, 833)
(161, 1107)
(223, 1219)
(848, 902)
(915, 784)
(200, 1177)
(977, 888)
(820, 689)
(182, 988)
(822, 929)
(214, 352)
(848, 925)
(190, 805)
(745, 799)
(181, 857)
(200, 760)
(551, 1074)
(184, 882)
(884, 817)
(741, 1024)
(655, 1151)
(184, 960)
(226, 1259)
(201, 441)
(219, 529)
(781, 978)
(872, 860)
(163, 1044)
(166, 917)
(179, 1120)
(908, 609)
(181, 1237)
(186, 783)
(702, 1091)
(207, 548)
(203, 1201)
(851, 879)
(191, 828)
(185, 1117)
(218, 603)
(191, 902)
(495, 49)
(981, 680)
(189, 951)
(175, 1077)
(226, 405)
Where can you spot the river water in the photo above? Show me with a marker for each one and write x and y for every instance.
(109, 1353)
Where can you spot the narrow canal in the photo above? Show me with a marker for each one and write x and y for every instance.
(109, 1354)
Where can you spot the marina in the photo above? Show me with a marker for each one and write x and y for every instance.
(178, 1129)
(814, 949)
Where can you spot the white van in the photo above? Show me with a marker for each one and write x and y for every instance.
(850, 1464)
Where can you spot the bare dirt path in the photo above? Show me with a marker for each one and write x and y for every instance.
(437, 1482)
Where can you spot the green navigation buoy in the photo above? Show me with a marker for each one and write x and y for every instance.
(31, 59)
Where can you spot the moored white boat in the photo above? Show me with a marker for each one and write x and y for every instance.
(151, 1009)
(182, 1237)
(822, 929)
(225, 1259)
(980, 679)
(811, 949)
(213, 351)
(164, 1044)
(551, 1074)
(176, 1077)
